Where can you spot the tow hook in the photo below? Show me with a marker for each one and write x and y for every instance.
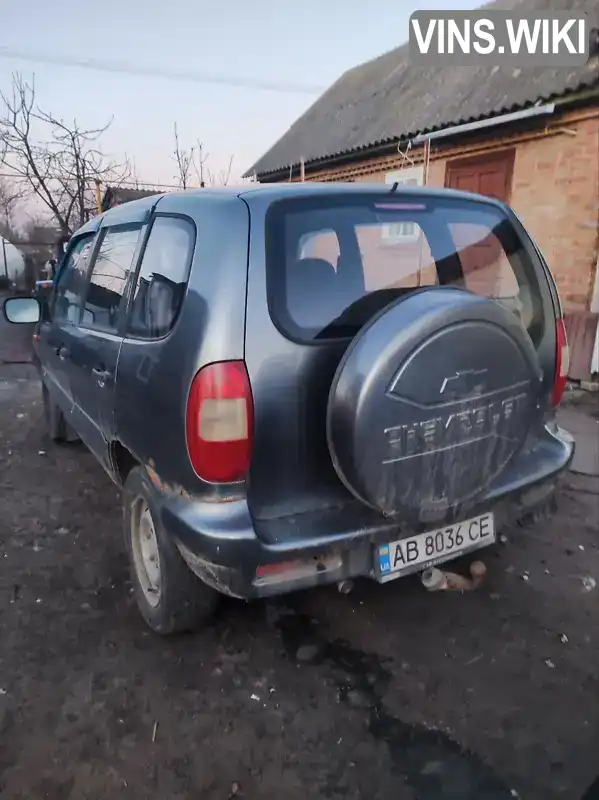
(436, 580)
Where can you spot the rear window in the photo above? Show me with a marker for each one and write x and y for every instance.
(332, 263)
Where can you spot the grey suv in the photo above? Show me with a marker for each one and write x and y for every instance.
(301, 384)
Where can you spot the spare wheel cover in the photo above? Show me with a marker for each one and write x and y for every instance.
(431, 401)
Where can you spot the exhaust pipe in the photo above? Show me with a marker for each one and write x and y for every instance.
(345, 587)
(436, 580)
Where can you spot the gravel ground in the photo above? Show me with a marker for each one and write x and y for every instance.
(388, 693)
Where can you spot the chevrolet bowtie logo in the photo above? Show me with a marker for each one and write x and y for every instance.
(464, 382)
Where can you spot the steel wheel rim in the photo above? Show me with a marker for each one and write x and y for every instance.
(146, 556)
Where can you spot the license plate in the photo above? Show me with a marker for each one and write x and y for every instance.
(424, 550)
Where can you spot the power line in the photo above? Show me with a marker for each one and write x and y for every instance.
(162, 72)
(132, 184)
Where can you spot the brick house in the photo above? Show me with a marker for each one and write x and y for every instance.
(529, 137)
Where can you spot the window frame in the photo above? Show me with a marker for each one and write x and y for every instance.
(123, 303)
(127, 334)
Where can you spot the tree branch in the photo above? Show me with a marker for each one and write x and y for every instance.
(184, 160)
(60, 167)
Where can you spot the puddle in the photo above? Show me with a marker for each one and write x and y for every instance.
(431, 763)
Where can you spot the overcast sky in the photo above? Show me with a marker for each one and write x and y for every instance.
(307, 43)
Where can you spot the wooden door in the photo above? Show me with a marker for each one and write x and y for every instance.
(490, 175)
(481, 255)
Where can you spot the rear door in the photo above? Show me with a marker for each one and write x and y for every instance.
(97, 341)
(330, 263)
(151, 390)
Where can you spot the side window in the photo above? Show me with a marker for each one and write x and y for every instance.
(110, 273)
(70, 285)
(162, 278)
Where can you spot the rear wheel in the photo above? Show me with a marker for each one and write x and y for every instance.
(170, 597)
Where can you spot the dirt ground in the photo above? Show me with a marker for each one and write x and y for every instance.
(388, 693)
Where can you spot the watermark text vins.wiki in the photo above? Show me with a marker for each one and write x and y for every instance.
(499, 37)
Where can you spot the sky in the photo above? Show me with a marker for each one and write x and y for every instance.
(306, 44)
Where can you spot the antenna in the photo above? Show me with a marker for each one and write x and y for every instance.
(405, 155)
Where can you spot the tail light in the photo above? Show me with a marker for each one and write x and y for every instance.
(562, 361)
(219, 423)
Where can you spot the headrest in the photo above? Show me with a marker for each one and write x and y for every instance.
(313, 269)
(311, 291)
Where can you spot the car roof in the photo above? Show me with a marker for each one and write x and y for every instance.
(139, 210)
(278, 191)
(301, 189)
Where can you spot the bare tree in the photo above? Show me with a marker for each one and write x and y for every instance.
(10, 195)
(135, 182)
(223, 177)
(61, 169)
(184, 159)
(199, 164)
(196, 159)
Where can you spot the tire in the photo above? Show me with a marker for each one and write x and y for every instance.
(57, 427)
(170, 598)
(420, 424)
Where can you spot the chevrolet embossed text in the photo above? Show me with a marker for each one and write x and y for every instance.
(455, 429)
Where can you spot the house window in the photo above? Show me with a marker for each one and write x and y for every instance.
(403, 232)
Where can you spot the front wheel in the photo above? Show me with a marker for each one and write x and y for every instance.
(170, 598)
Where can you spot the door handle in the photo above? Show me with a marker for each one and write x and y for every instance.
(101, 375)
(63, 353)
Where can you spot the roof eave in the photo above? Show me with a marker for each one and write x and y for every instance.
(583, 96)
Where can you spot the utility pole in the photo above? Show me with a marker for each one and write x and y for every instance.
(4, 254)
(98, 196)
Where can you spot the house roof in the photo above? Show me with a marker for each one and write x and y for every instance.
(388, 99)
(121, 194)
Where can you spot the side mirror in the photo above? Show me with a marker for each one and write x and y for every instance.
(20, 310)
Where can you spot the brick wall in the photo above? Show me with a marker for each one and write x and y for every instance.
(555, 191)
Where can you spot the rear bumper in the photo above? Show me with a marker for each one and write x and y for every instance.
(220, 543)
